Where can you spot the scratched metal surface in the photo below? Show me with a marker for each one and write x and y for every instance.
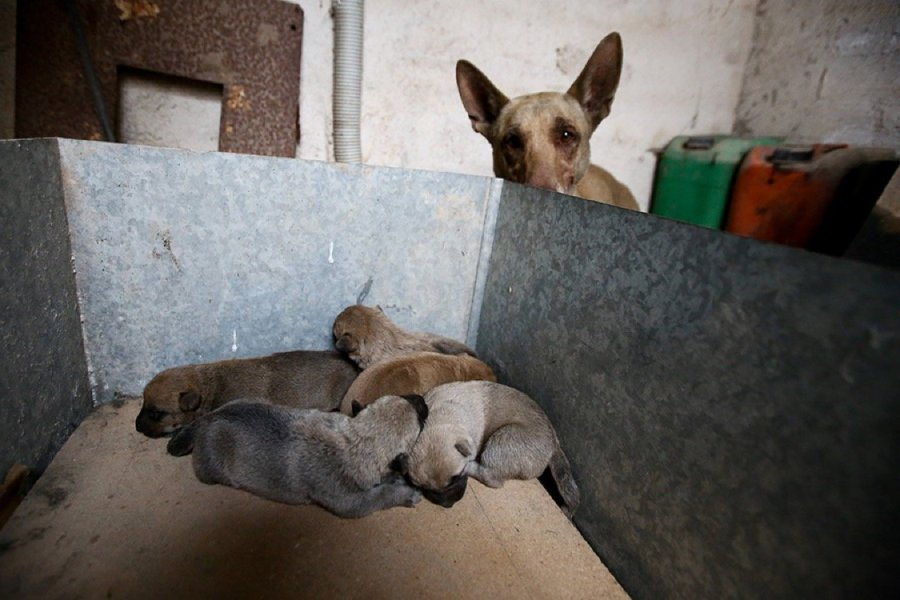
(731, 408)
(184, 257)
(44, 391)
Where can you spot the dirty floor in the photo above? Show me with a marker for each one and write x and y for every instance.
(116, 517)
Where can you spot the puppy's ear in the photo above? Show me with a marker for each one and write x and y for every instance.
(189, 401)
(596, 86)
(400, 464)
(482, 101)
(355, 408)
(418, 402)
(448, 346)
(381, 310)
(466, 447)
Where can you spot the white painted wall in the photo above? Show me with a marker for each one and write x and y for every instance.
(683, 69)
(820, 70)
(684, 65)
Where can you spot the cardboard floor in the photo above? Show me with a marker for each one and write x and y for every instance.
(114, 516)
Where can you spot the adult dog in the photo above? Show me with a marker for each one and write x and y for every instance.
(543, 139)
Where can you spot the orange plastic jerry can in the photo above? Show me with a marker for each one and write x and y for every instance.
(782, 193)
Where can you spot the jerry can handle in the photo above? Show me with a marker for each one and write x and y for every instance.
(699, 143)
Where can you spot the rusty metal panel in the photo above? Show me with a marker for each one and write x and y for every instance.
(250, 47)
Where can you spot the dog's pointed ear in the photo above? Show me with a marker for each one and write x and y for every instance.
(596, 86)
(482, 101)
(189, 400)
(465, 447)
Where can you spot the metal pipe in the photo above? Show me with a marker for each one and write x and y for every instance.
(348, 66)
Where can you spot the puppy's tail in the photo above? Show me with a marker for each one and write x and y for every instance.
(182, 443)
(565, 482)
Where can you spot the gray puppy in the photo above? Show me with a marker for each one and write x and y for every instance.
(490, 432)
(300, 456)
(367, 336)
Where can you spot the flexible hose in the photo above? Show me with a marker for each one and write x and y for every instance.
(348, 63)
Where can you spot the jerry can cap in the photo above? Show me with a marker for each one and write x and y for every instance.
(784, 154)
(704, 142)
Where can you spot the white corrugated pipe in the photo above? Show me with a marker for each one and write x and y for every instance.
(348, 64)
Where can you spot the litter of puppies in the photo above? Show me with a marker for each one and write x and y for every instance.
(393, 416)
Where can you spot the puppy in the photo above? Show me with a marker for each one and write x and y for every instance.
(415, 373)
(487, 431)
(303, 379)
(543, 139)
(368, 336)
(299, 456)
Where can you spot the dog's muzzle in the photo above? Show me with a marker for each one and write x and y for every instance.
(449, 495)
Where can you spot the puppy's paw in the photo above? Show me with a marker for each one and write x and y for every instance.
(414, 498)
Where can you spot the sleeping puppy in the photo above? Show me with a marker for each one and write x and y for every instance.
(303, 379)
(487, 431)
(368, 336)
(299, 456)
(415, 373)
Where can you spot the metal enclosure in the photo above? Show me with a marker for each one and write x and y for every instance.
(730, 407)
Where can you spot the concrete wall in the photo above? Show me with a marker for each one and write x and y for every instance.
(44, 391)
(824, 71)
(730, 407)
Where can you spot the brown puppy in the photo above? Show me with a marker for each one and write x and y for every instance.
(368, 336)
(301, 379)
(544, 139)
(415, 373)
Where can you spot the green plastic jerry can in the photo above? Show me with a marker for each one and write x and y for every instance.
(694, 176)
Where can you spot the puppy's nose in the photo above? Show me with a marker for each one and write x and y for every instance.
(450, 495)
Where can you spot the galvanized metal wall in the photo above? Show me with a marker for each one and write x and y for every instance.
(731, 408)
(183, 257)
(44, 390)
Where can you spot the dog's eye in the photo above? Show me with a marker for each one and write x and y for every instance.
(153, 414)
(568, 136)
(513, 141)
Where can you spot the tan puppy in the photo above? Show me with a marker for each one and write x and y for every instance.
(302, 379)
(487, 431)
(368, 336)
(415, 373)
(543, 139)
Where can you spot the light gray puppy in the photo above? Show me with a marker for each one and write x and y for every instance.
(490, 432)
(303, 456)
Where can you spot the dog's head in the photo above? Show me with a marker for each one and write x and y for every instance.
(354, 329)
(544, 139)
(172, 399)
(437, 467)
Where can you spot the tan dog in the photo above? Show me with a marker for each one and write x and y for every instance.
(415, 373)
(301, 379)
(543, 139)
(368, 336)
